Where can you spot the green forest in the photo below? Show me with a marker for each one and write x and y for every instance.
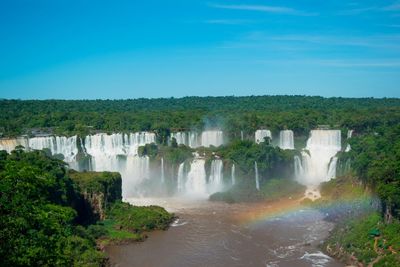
(298, 113)
(50, 216)
(44, 206)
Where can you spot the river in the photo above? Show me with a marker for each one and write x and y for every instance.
(217, 234)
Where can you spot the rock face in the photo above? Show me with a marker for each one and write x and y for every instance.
(97, 191)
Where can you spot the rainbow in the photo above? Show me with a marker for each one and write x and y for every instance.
(268, 211)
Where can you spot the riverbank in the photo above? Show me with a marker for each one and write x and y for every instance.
(360, 237)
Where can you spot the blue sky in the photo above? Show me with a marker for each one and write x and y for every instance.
(74, 49)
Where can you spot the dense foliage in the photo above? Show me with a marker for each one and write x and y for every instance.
(41, 208)
(36, 222)
(272, 162)
(361, 236)
(271, 190)
(368, 239)
(375, 157)
(97, 190)
(299, 113)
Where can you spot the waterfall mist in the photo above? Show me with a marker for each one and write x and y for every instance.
(318, 161)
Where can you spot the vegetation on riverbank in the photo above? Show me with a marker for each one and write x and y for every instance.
(130, 223)
(366, 239)
(42, 207)
(361, 235)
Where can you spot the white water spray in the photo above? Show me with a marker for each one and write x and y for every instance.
(215, 181)
(196, 179)
(181, 178)
(286, 140)
(318, 163)
(261, 134)
(349, 135)
(162, 171)
(212, 138)
(233, 177)
(256, 176)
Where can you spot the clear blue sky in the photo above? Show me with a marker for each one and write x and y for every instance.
(90, 49)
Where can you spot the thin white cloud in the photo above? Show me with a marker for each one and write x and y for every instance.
(264, 8)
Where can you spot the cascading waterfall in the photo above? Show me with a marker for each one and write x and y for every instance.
(286, 140)
(134, 170)
(256, 176)
(212, 138)
(82, 147)
(261, 134)
(241, 135)
(194, 140)
(349, 135)
(181, 138)
(67, 146)
(162, 171)
(118, 152)
(196, 183)
(9, 144)
(318, 162)
(215, 181)
(332, 168)
(233, 178)
(117, 144)
(181, 178)
(298, 168)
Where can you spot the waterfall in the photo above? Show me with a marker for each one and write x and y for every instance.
(233, 178)
(241, 135)
(316, 162)
(298, 168)
(193, 140)
(117, 144)
(116, 152)
(190, 139)
(212, 138)
(67, 146)
(196, 184)
(181, 138)
(349, 135)
(119, 152)
(286, 139)
(215, 181)
(261, 134)
(181, 177)
(134, 170)
(332, 168)
(162, 171)
(256, 176)
(82, 147)
(9, 144)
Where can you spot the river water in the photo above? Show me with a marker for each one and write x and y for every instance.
(218, 234)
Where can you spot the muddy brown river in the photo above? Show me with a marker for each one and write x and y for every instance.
(218, 234)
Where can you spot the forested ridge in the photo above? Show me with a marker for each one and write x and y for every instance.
(299, 113)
